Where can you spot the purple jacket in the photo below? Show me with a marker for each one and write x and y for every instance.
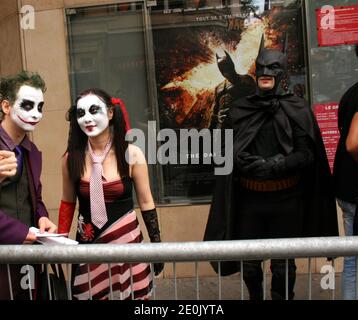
(12, 231)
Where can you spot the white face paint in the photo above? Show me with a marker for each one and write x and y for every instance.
(27, 109)
(92, 115)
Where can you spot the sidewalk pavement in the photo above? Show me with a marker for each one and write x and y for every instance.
(231, 288)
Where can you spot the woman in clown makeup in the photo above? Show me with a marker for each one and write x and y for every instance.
(96, 173)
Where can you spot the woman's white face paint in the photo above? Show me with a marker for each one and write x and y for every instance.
(27, 109)
(92, 115)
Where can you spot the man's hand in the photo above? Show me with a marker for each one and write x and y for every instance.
(263, 169)
(30, 238)
(244, 160)
(46, 225)
(8, 164)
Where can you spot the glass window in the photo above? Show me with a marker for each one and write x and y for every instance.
(332, 31)
(107, 50)
(181, 64)
(333, 64)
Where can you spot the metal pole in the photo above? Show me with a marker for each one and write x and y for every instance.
(10, 282)
(175, 282)
(233, 250)
(264, 279)
(110, 282)
(89, 282)
(153, 280)
(356, 278)
(197, 280)
(309, 280)
(242, 279)
(131, 277)
(48, 282)
(30, 282)
(286, 279)
(334, 279)
(219, 279)
(69, 289)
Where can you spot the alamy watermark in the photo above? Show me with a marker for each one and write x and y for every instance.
(27, 19)
(328, 20)
(28, 280)
(184, 146)
(328, 280)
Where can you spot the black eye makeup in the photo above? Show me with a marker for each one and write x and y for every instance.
(27, 105)
(80, 113)
(40, 106)
(94, 109)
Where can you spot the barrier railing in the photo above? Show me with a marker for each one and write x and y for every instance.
(174, 252)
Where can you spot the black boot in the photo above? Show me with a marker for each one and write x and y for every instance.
(254, 286)
(278, 283)
(253, 279)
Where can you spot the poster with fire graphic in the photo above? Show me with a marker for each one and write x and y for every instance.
(205, 59)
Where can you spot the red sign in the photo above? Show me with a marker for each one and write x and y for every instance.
(327, 118)
(337, 25)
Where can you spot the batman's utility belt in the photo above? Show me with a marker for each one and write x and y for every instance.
(269, 185)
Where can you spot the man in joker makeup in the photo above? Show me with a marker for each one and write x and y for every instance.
(21, 206)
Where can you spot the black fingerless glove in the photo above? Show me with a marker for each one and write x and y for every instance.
(150, 218)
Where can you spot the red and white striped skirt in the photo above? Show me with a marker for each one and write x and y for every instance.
(93, 280)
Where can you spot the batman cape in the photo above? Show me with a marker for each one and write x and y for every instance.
(320, 215)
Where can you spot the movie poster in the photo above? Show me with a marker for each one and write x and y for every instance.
(205, 55)
(327, 118)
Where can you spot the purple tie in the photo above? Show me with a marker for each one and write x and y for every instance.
(98, 206)
(19, 157)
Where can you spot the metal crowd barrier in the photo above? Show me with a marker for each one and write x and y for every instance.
(175, 252)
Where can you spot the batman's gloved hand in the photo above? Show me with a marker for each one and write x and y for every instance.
(150, 218)
(264, 169)
(244, 160)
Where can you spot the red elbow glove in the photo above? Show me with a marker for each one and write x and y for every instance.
(65, 216)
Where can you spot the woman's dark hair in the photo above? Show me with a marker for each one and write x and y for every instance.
(77, 139)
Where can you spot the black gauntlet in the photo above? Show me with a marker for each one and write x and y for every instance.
(150, 218)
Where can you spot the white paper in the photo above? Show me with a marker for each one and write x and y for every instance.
(52, 238)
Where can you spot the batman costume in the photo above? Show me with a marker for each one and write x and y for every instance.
(281, 183)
